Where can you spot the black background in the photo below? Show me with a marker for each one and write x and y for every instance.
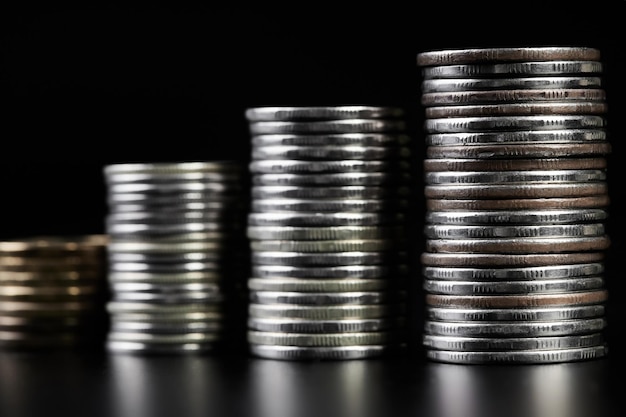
(82, 87)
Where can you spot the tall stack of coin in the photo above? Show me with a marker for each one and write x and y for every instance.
(177, 256)
(53, 292)
(329, 191)
(516, 199)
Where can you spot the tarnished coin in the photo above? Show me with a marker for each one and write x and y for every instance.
(514, 54)
(525, 137)
(504, 122)
(535, 286)
(515, 69)
(317, 353)
(483, 164)
(546, 272)
(322, 339)
(283, 113)
(489, 231)
(516, 190)
(331, 139)
(328, 126)
(55, 246)
(512, 96)
(509, 83)
(519, 245)
(518, 300)
(519, 356)
(524, 314)
(509, 259)
(481, 344)
(597, 107)
(325, 326)
(508, 151)
(520, 204)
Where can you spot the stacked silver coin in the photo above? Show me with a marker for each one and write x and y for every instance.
(177, 256)
(53, 292)
(516, 199)
(330, 188)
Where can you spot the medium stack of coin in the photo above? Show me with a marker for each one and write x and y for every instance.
(53, 292)
(516, 199)
(330, 188)
(177, 256)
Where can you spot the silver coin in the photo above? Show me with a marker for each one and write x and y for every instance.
(519, 356)
(165, 248)
(168, 288)
(283, 113)
(481, 344)
(145, 307)
(158, 177)
(448, 231)
(597, 107)
(521, 164)
(516, 176)
(206, 189)
(362, 192)
(583, 203)
(168, 231)
(516, 329)
(141, 278)
(317, 246)
(514, 137)
(153, 217)
(511, 273)
(152, 267)
(325, 326)
(330, 272)
(332, 179)
(324, 258)
(209, 256)
(494, 260)
(172, 167)
(516, 69)
(527, 314)
(165, 327)
(516, 190)
(512, 96)
(535, 286)
(322, 339)
(518, 122)
(520, 150)
(122, 347)
(328, 126)
(289, 166)
(506, 83)
(333, 152)
(176, 338)
(322, 285)
(325, 298)
(323, 233)
(290, 353)
(576, 298)
(166, 205)
(169, 315)
(167, 298)
(516, 217)
(336, 312)
(515, 54)
(326, 205)
(331, 139)
(520, 245)
(316, 219)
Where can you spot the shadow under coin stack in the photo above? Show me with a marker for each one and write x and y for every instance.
(330, 186)
(53, 292)
(516, 194)
(177, 257)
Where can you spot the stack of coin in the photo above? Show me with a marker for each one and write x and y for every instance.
(329, 195)
(177, 256)
(53, 292)
(516, 199)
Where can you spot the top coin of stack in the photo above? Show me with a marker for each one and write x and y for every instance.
(330, 187)
(516, 197)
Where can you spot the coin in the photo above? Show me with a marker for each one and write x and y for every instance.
(516, 190)
(519, 356)
(525, 137)
(513, 273)
(325, 326)
(455, 231)
(519, 245)
(524, 314)
(508, 260)
(317, 353)
(518, 300)
(597, 107)
(322, 339)
(509, 82)
(538, 68)
(328, 126)
(282, 113)
(330, 139)
(520, 204)
(473, 344)
(509, 122)
(535, 286)
(542, 53)
(508, 151)
(541, 164)
(527, 96)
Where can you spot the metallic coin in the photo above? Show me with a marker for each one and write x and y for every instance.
(453, 231)
(515, 69)
(182, 316)
(512, 96)
(326, 205)
(509, 83)
(326, 326)
(337, 312)
(170, 231)
(519, 204)
(144, 307)
(536, 286)
(164, 327)
(92, 276)
(330, 272)
(481, 344)
(140, 278)
(166, 288)
(332, 152)
(514, 176)
(332, 179)
(165, 248)
(222, 257)
(516, 329)
(161, 218)
(177, 338)
(328, 126)
(532, 150)
(326, 298)
(323, 233)
(364, 192)
(282, 113)
(55, 246)
(300, 219)
(322, 339)
(518, 301)
(525, 314)
(324, 258)
(516, 190)
(48, 308)
(482, 164)
(475, 123)
(509, 260)
(165, 298)
(519, 245)
(331, 139)
(527, 108)
(542, 53)
(226, 177)
(519, 356)
(176, 190)
(151, 267)
(307, 285)
(58, 292)
(512, 217)
(172, 206)
(317, 353)
(512, 273)
(172, 167)
(524, 137)
(289, 166)
(316, 246)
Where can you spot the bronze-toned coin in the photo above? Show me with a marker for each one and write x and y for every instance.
(517, 301)
(509, 83)
(503, 191)
(493, 260)
(514, 54)
(514, 69)
(523, 137)
(596, 201)
(510, 151)
(451, 123)
(519, 245)
(512, 96)
(508, 109)
(482, 164)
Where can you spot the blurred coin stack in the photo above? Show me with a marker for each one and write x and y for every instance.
(516, 199)
(329, 195)
(177, 256)
(53, 292)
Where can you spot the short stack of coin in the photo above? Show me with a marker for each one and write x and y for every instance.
(177, 256)
(53, 292)
(329, 195)
(516, 199)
